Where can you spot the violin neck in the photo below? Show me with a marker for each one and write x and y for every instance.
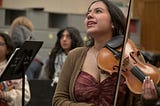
(141, 76)
(138, 73)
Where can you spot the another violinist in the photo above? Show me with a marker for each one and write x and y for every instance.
(81, 82)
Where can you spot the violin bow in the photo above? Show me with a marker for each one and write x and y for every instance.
(123, 50)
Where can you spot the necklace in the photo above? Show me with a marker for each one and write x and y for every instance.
(95, 56)
(95, 51)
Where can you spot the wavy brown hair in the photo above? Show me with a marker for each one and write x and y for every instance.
(76, 42)
(117, 17)
(9, 44)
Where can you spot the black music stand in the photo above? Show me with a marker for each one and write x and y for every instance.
(19, 62)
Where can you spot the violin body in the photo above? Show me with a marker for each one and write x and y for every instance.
(133, 69)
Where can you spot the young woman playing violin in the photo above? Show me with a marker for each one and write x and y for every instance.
(82, 83)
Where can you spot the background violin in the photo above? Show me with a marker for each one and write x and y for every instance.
(133, 69)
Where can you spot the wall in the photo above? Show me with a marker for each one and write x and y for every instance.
(48, 16)
(148, 12)
(46, 24)
(59, 6)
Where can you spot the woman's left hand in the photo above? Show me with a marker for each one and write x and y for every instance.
(149, 92)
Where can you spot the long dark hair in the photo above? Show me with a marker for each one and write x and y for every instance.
(9, 44)
(76, 42)
(117, 17)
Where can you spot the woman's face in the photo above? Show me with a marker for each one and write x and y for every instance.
(66, 41)
(98, 19)
(3, 49)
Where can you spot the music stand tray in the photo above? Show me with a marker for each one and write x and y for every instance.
(20, 60)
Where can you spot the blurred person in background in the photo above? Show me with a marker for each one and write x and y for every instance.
(10, 90)
(67, 39)
(21, 30)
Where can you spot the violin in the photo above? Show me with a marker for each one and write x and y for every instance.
(133, 69)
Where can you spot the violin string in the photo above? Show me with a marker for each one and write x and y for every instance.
(138, 73)
(95, 51)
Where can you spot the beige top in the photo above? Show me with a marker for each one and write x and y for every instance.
(13, 89)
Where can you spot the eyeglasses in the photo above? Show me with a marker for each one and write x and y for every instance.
(2, 43)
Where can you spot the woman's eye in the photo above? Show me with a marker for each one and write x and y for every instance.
(98, 11)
